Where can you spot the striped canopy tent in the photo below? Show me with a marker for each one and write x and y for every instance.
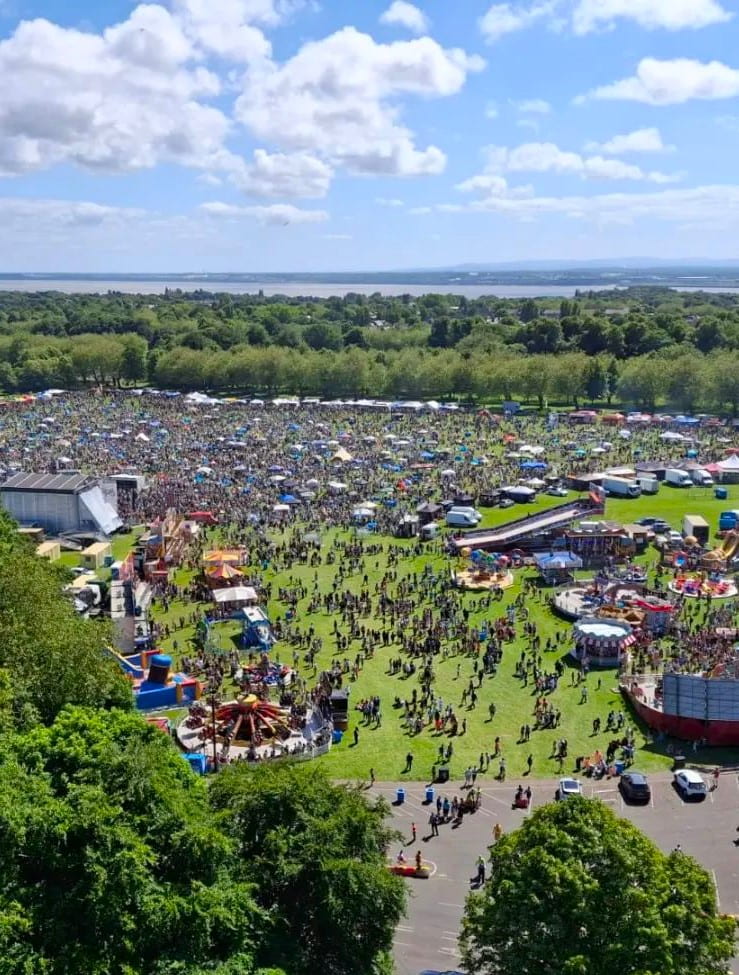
(602, 641)
(224, 556)
(223, 573)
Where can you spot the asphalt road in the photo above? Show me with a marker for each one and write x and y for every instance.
(426, 941)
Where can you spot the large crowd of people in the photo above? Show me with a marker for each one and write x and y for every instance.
(279, 478)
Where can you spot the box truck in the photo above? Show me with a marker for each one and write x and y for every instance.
(677, 478)
(702, 478)
(621, 487)
(698, 527)
(647, 483)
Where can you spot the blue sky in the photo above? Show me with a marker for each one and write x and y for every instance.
(265, 135)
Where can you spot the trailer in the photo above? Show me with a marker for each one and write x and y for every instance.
(677, 478)
(697, 527)
(621, 487)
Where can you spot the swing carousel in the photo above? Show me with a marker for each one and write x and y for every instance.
(484, 571)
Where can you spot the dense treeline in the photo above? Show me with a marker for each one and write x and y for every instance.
(640, 347)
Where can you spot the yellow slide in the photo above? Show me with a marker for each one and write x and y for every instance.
(730, 545)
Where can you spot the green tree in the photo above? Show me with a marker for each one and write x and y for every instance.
(323, 335)
(133, 357)
(53, 657)
(643, 381)
(723, 387)
(536, 377)
(687, 381)
(112, 864)
(577, 891)
(529, 310)
(320, 852)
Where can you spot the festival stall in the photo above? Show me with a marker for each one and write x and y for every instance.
(557, 568)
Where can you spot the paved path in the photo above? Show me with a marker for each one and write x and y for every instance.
(427, 939)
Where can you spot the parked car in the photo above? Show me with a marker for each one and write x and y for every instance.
(635, 787)
(568, 788)
(507, 503)
(656, 524)
(690, 784)
(557, 492)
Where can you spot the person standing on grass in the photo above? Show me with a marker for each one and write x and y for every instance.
(372, 777)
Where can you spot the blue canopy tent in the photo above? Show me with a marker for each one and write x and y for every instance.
(534, 465)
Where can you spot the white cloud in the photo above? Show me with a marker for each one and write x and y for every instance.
(420, 211)
(277, 214)
(337, 236)
(728, 122)
(226, 27)
(39, 216)
(383, 201)
(403, 14)
(591, 15)
(126, 99)
(585, 16)
(709, 206)
(336, 99)
(533, 106)
(294, 175)
(505, 18)
(640, 140)
(484, 183)
(491, 110)
(672, 82)
(139, 94)
(546, 157)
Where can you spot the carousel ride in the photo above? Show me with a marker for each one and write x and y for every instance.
(484, 570)
(247, 723)
(266, 671)
(615, 599)
(693, 585)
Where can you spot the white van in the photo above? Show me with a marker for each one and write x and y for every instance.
(461, 519)
(467, 510)
(702, 478)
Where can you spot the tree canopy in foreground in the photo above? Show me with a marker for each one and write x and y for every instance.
(319, 851)
(112, 864)
(577, 891)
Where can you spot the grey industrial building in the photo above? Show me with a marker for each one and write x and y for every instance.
(65, 502)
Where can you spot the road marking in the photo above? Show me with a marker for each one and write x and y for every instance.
(430, 863)
(404, 927)
(449, 937)
(403, 944)
(454, 934)
(495, 798)
(449, 951)
(447, 904)
(715, 884)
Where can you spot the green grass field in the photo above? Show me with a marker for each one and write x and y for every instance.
(384, 748)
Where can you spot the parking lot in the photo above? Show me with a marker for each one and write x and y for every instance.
(427, 939)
